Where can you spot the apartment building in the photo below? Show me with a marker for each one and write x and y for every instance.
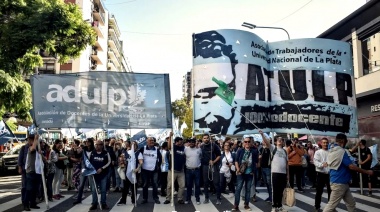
(105, 55)
(187, 86)
(362, 30)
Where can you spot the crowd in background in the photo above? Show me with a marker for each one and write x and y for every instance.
(228, 166)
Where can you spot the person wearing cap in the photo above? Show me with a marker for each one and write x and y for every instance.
(179, 165)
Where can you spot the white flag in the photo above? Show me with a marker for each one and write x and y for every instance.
(131, 175)
(183, 126)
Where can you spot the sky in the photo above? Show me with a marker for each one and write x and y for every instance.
(157, 34)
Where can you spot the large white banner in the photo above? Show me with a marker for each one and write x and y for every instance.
(293, 86)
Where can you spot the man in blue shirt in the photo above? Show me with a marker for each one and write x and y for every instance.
(340, 165)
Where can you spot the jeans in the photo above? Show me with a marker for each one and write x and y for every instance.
(278, 186)
(246, 180)
(297, 171)
(253, 189)
(193, 176)
(32, 182)
(23, 186)
(101, 181)
(126, 187)
(58, 178)
(339, 192)
(149, 177)
(49, 185)
(82, 184)
(266, 174)
(215, 180)
(322, 180)
(180, 177)
(164, 182)
(223, 184)
(119, 181)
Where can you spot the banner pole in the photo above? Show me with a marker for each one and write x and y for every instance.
(43, 174)
(97, 194)
(134, 187)
(360, 175)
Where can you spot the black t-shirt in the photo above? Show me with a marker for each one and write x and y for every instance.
(265, 157)
(207, 154)
(363, 156)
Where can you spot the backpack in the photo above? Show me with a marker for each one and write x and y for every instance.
(274, 152)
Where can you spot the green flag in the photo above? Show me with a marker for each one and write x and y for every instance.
(223, 91)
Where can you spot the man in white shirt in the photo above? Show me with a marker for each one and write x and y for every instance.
(193, 173)
(323, 177)
(280, 171)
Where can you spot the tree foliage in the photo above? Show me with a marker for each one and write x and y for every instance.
(26, 27)
(184, 111)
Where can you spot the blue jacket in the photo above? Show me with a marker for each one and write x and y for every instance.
(254, 154)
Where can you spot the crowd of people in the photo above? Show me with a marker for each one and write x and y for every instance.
(219, 166)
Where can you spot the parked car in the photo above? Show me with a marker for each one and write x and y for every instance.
(8, 163)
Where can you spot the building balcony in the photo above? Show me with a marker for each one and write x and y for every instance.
(99, 12)
(113, 56)
(114, 43)
(97, 45)
(113, 25)
(95, 25)
(95, 57)
(111, 66)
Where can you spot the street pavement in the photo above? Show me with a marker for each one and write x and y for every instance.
(10, 201)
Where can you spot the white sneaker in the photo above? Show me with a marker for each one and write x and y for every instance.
(274, 209)
(282, 209)
(198, 203)
(186, 202)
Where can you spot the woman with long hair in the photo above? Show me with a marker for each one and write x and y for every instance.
(76, 158)
(226, 173)
(60, 166)
(50, 158)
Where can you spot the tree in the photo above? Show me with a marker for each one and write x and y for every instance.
(26, 27)
(184, 111)
(188, 119)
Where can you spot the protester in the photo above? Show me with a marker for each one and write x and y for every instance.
(210, 160)
(32, 177)
(127, 184)
(75, 155)
(51, 158)
(340, 175)
(164, 167)
(118, 151)
(111, 172)
(245, 164)
(280, 171)
(152, 161)
(21, 166)
(179, 165)
(295, 153)
(311, 173)
(365, 162)
(265, 160)
(87, 150)
(100, 160)
(322, 170)
(227, 168)
(193, 173)
(60, 166)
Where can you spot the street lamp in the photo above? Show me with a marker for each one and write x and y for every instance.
(252, 26)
